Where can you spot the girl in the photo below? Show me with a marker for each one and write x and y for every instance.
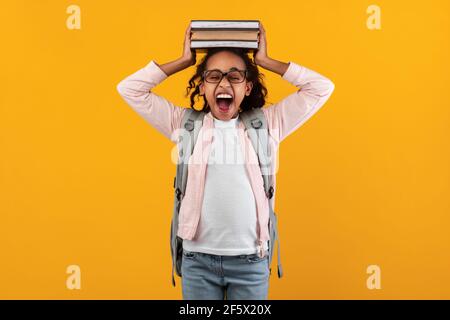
(224, 213)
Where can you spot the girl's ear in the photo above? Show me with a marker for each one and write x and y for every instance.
(202, 89)
(248, 88)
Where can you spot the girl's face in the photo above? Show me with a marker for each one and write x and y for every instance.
(225, 109)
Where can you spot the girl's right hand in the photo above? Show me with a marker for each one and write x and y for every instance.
(189, 54)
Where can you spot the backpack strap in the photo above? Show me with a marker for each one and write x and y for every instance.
(190, 126)
(256, 124)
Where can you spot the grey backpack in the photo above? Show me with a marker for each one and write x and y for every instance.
(256, 125)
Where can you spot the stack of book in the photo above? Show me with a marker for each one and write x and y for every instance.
(224, 33)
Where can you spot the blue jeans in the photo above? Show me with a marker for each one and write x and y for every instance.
(213, 277)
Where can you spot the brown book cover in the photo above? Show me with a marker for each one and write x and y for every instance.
(225, 35)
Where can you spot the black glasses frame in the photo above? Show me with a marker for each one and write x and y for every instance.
(225, 74)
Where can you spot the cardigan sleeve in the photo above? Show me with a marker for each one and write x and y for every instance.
(287, 115)
(162, 114)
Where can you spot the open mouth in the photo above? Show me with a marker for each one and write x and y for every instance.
(224, 103)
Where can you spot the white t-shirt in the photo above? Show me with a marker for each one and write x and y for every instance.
(228, 221)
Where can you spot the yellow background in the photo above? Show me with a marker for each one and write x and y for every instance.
(86, 181)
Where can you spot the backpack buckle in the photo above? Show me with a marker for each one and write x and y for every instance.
(270, 192)
(189, 125)
(256, 123)
(178, 194)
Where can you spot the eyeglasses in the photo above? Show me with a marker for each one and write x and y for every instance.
(215, 76)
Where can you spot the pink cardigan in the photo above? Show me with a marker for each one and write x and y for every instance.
(283, 118)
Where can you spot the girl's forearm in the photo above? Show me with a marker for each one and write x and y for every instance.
(274, 65)
(172, 67)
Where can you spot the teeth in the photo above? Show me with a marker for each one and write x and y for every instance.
(224, 95)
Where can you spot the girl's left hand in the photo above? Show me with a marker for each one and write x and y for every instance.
(261, 54)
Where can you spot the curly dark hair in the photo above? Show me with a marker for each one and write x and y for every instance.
(256, 99)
